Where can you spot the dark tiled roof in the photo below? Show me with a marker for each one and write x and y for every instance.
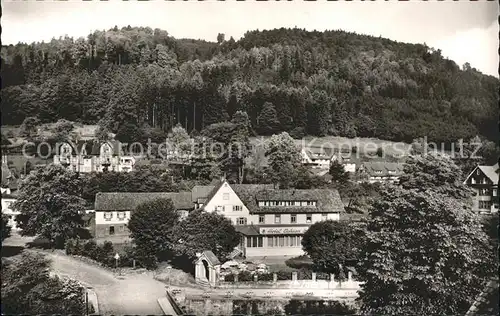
(128, 201)
(247, 230)
(201, 192)
(385, 167)
(327, 201)
(211, 257)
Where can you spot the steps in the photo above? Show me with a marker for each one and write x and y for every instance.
(203, 283)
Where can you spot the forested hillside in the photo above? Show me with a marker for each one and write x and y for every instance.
(319, 83)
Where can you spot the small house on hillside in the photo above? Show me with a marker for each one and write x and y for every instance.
(484, 181)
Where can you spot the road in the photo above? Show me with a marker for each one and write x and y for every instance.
(131, 294)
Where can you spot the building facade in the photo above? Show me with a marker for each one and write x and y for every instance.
(271, 221)
(93, 157)
(484, 181)
(317, 157)
(113, 210)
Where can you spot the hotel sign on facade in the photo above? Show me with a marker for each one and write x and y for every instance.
(283, 230)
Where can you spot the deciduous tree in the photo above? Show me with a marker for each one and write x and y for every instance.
(202, 231)
(50, 204)
(151, 228)
(284, 158)
(426, 253)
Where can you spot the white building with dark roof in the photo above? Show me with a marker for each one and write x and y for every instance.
(271, 221)
(113, 210)
(381, 172)
(484, 181)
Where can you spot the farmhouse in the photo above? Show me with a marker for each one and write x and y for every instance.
(484, 181)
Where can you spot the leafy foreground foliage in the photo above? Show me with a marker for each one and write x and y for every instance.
(202, 231)
(331, 244)
(331, 82)
(151, 227)
(27, 288)
(426, 252)
(50, 204)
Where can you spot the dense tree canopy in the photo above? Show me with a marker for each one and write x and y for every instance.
(426, 250)
(6, 229)
(29, 289)
(202, 231)
(284, 159)
(331, 82)
(151, 226)
(330, 244)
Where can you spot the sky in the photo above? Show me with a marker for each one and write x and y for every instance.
(464, 31)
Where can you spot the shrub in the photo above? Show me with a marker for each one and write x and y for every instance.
(266, 277)
(229, 278)
(297, 133)
(40, 242)
(245, 276)
(301, 262)
(90, 249)
(304, 274)
(283, 275)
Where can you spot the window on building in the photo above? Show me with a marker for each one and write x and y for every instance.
(121, 228)
(108, 216)
(277, 219)
(293, 218)
(262, 219)
(478, 172)
(485, 205)
(308, 218)
(282, 241)
(237, 208)
(255, 242)
(121, 216)
(473, 181)
(111, 230)
(219, 208)
(484, 192)
(270, 241)
(241, 221)
(225, 196)
(495, 192)
(324, 217)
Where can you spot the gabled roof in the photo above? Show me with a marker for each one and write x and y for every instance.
(128, 201)
(320, 152)
(210, 256)
(491, 172)
(372, 167)
(328, 201)
(116, 148)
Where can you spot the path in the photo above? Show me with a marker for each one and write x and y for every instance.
(133, 294)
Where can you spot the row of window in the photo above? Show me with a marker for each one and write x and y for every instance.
(487, 192)
(485, 205)
(222, 208)
(274, 241)
(482, 181)
(109, 216)
(287, 203)
(277, 219)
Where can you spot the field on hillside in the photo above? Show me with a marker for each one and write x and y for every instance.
(85, 132)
